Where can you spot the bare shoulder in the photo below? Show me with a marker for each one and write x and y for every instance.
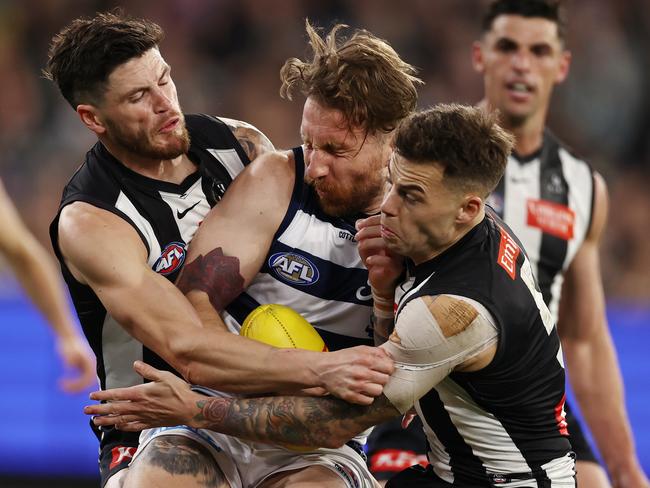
(252, 140)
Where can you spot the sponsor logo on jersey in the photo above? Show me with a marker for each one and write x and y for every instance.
(508, 253)
(395, 460)
(121, 454)
(294, 268)
(170, 259)
(552, 218)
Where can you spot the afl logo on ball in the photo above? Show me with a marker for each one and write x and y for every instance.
(171, 259)
(294, 268)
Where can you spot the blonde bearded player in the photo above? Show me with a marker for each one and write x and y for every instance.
(475, 348)
(279, 239)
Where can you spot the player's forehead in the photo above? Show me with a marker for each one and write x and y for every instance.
(324, 125)
(137, 71)
(526, 31)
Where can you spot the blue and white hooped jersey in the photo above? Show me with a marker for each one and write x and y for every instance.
(313, 266)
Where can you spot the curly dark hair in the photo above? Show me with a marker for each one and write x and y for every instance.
(362, 76)
(466, 140)
(84, 53)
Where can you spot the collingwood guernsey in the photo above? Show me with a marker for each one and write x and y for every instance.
(165, 215)
(547, 200)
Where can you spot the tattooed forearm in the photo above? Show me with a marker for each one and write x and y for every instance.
(216, 274)
(382, 327)
(306, 421)
(252, 141)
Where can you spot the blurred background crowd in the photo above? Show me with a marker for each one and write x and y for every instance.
(226, 56)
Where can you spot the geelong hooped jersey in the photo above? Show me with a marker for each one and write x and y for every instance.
(313, 266)
(503, 425)
(165, 215)
(547, 199)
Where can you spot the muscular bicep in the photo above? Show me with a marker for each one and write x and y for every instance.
(433, 336)
(229, 248)
(106, 253)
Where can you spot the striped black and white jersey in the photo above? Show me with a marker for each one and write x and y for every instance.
(313, 266)
(547, 200)
(165, 215)
(502, 425)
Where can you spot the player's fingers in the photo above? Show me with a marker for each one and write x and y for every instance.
(358, 398)
(74, 385)
(133, 426)
(367, 222)
(147, 371)
(369, 232)
(116, 394)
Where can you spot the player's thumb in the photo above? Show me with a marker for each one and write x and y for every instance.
(146, 371)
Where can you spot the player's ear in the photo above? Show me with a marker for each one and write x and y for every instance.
(477, 56)
(565, 63)
(90, 118)
(469, 209)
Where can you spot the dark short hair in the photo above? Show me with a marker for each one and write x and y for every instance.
(552, 10)
(466, 141)
(361, 75)
(84, 53)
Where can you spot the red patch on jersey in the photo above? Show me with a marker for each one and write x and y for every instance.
(508, 253)
(552, 218)
(560, 417)
(170, 259)
(395, 460)
(121, 454)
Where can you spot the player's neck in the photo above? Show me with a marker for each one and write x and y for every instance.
(169, 170)
(529, 134)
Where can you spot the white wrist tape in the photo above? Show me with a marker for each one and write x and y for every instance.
(432, 336)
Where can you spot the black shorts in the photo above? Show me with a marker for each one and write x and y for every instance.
(116, 450)
(392, 449)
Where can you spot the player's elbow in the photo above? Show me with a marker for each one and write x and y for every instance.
(182, 356)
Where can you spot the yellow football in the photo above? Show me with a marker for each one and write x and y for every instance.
(281, 326)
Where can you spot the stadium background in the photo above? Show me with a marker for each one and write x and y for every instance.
(225, 56)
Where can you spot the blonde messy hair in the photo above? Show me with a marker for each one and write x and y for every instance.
(362, 76)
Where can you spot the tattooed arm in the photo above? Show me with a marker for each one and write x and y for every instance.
(252, 140)
(305, 421)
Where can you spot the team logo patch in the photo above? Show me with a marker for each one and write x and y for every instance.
(120, 455)
(508, 253)
(171, 259)
(552, 218)
(294, 268)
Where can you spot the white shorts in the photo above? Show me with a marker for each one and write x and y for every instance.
(247, 464)
(221, 448)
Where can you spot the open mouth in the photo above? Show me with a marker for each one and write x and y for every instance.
(520, 90)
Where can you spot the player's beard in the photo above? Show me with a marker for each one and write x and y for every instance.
(345, 201)
(140, 143)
